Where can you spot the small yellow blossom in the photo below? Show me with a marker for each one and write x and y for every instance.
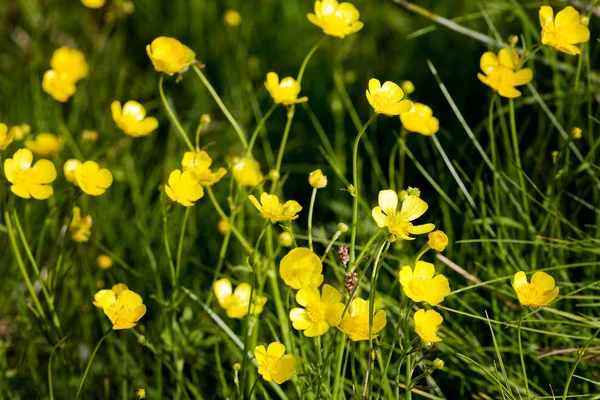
(92, 179)
(236, 302)
(285, 92)
(540, 292)
(356, 321)
(140, 393)
(501, 74)
(246, 171)
(317, 180)
(6, 136)
(199, 163)
(321, 312)
(131, 118)
(420, 119)
(563, 31)
(58, 85)
(301, 267)
(29, 181)
(70, 62)
(123, 309)
(69, 169)
(427, 324)
(232, 18)
(19, 131)
(223, 226)
(387, 98)
(399, 222)
(93, 3)
(80, 227)
(575, 133)
(336, 19)
(274, 364)
(438, 240)
(103, 297)
(169, 55)
(272, 209)
(104, 261)
(184, 188)
(421, 285)
(286, 239)
(45, 144)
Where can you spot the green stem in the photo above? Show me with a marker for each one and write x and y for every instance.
(579, 357)
(307, 58)
(310, 217)
(172, 115)
(401, 159)
(420, 254)
(382, 249)
(180, 245)
(222, 214)
(168, 249)
(286, 134)
(335, 237)
(341, 346)
(319, 365)
(198, 132)
(364, 250)
(515, 140)
(521, 354)
(89, 364)
(260, 125)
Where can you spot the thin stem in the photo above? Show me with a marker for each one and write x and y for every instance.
(172, 115)
(222, 214)
(198, 132)
(307, 58)
(579, 357)
(310, 217)
(515, 140)
(335, 237)
(339, 373)
(421, 253)
(260, 125)
(180, 245)
(319, 365)
(401, 159)
(521, 354)
(382, 249)
(286, 134)
(89, 364)
(168, 248)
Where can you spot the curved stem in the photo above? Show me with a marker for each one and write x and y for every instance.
(420, 254)
(249, 249)
(335, 237)
(579, 357)
(310, 217)
(89, 364)
(382, 249)
(515, 140)
(180, 245)
(521, 355)
(172, 115)
(307, 58)
(260, 125)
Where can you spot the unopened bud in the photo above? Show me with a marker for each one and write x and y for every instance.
(408, 87)
(352, 190)
(413, 191)
(576, 133)
(585, 20)
(285, 239)
(342, 227)
(274, 175)
(205, 119)
(317, 180)
(513, 40)
(438, 364)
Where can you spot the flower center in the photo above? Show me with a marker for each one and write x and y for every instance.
(316, 312)
(398, 223)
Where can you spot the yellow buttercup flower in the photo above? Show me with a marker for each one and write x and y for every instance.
(575, 133)
(336, 19)
(140, 393)
(169, 55)
(80, 227)
(131, 118)
(274, 364)
(399, 223)
(301, 267)
(29, 181)
(427, 324)
(223, 226)
(321, 312)
(124, 308)
(236, 302)
(563, 31)
(58, 85)
(387, 98)
(69, 170)
(199, 163)
(501, 74)
(70, 62)
(420, 119)
(356, 321)
(104, 297)
(246, 171)
(104, 261)
(184, 188)
(421, 285)
(272, 209)
(285, 92)
(19, 131)
(317, 180)
(232, 18)
(438, 240)
(6, 136)
(92, 179)
(45, 144)
(93, 3)
(540, 292)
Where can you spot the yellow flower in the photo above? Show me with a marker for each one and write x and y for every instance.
(223, 226)
(500, 72)
(184, 188)
(104, 261)
(285, 92)
(93, 3)
(28, 181)
(45, 144)
(336, 19)
(70, 62)
(399, 223)
(92, 179)
(285, 239)
(420, 119)
(273, 365)
(575, 133)
(540, 292)
(169, 55)
(122, 306)
(104, 297)
(427, 324)
(321, 312)
(356, 321)
(387, 98)
(199, 163)
(58, 85)
(438, 240)
(563, 31)
(420, 285)
(80, 227)
(236, 302)
(232, 18)
(69, 170)
(246, 171)
(140, 393)
(19, 131)
(6, 136)
(301, 267)
(317, 180)
(271, 208)
(132, 119)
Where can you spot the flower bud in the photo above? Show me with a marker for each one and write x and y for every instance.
(205, 119)
(274, 175)
(223, 226)
(437, 240)
(89, 135)
(576, 133)
(438, 364)
(342, 227)
(317, 180)
(585, 20)
(513, 40)
(413, 191)
(408, 87)
(104, 261)
(352, 190)
(285, 239)
(232, 18)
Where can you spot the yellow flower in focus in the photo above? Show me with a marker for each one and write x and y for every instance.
(540, 292)
(80, 227)
(199, 163)
(246, 171)
(184, 188)
(6, 136)
(427, 324)
(169, 55)
(104, 261)
(223, 226)
(93, 3)
(285, 92)
(104, 298)
(421, 285)
(438, 240)
(19, 131)
(575, 133)
(274, 364)
(140, 393)
(285, 239)
(321, 312)
(232, 18)
(356, 321)
(28, 181)
(70, 62)
(317, 180)
(399, 223)
(236, 302)
(45, 144)
(501, 74)
(132, 119)
(420, 119)
(92, 179)
(387, 98)
(69, 170)
(272, 209)
(123, 307)
(58, 85)
(336, 19)
(301, 267)
(563, 31)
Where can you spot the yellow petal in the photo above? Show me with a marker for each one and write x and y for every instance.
(546, 15)
(424, 270)
(388, 200)
(405, 275)
(379, 217)
(488, 62)
(307, 295)
(519, 280)
(276, 349)
(299, 318)
(414, 207)
(421, 229)
(567, 18)
(223, 290)
(543, 281)
(330, 295)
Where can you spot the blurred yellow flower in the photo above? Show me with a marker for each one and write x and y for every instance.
(301, 267)
(169, 55)
(6, 136)
(232, 18)
(19, 131)
(89, 135)
(28, 181)
(336, 19)
(236, 302)
(223, 226)
(563, 31)
(93, 3)
(356, 321)
(104, 261)
(575, 133)
(285, 239)
(246, 171)
(131, 118)
(285, 92)
(421, 285)
(80, 227)
(321, 312)
(272, 209)
(45, 144)
(317, 180)
(70, 62)
(140, 393)
(199, 163)
(427, 324)
(123, 307)
(387, 98)
(399, 222)
(184, 188)
(69, 170)
(420, 119)
(274, 364)
(501, 74)
(540, 292)
(58, 85)
(438, 240)
(92, 179)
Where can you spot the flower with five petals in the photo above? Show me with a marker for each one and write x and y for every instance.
(29, 181)
(427, 324)
(274, 364)
(399, 222)
(92, 179)
(540, 292)
(285, 92)
(501, 72)
(421, 285)
(272, 209)
(356, 321)
(236, 302)
(131, 118)
(80, 227)
(322, 311)
(336, 19)
(564, 31)
(45, 144)
(123, 308)
(301, 267)
(169, 55)
(387, 98)
(199, 163)
(184, 188)
(420, 119)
